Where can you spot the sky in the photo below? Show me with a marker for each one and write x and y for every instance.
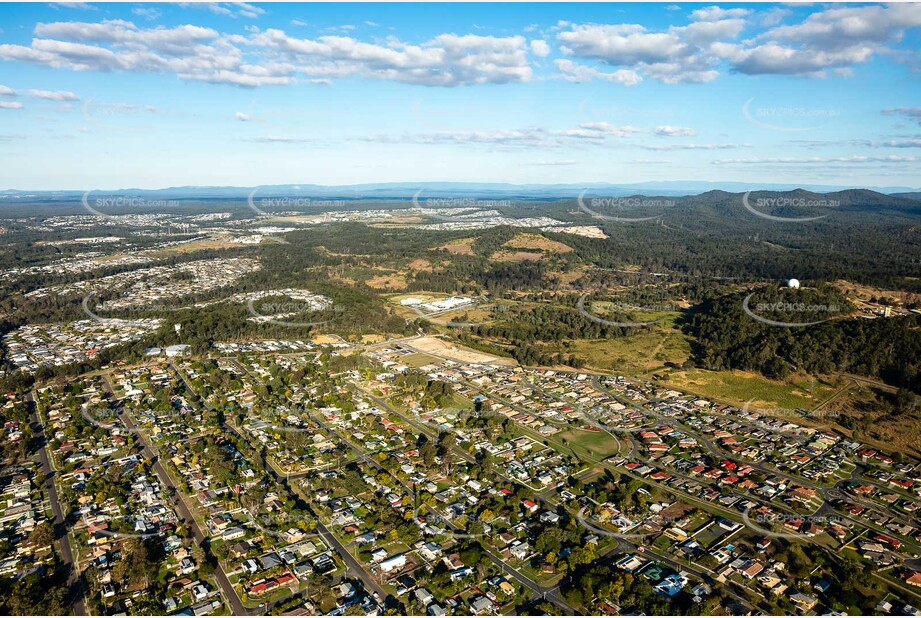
(108, 96)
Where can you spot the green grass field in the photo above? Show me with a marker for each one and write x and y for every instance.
(600, 443)
(638, 354)
(418, 359)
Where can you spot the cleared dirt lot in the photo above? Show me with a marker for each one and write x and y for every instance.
(444, 349)
(461, 246)
(538, 243)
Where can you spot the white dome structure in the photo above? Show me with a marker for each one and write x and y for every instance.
(793, 283)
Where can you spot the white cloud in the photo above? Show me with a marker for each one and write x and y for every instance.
(703, 33)
(445, 60)
(272, 57)
(299, 22)
(243, 117)
(914, 113)
(248, 10)
(54, 95)
(586, 133)
(553, 163)
(173, 41)
(843, 26)
(666, 147)
(81, 6)
(10, 105)
(247, 77)
(520, 137)
(572, 72)
(715, 13)
(342, 28)
(910, 58)
(833, 39)
(772, 16)
(6, 91)
(277, 139)
(894, 143)
(595, 130)
(680, 54)
(227, 9)
(589, 133)
(775, 58)
(120, 107)
(190, 52)
(898, 141)
(146, 12)
(670, 131)
(623, 44)
(540, 48)
(829, 41)
(859, 160)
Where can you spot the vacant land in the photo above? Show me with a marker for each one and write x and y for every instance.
(642, 353)
(327, 339)
(865, 292)
(537, 243)
(418, 359)
(212, 243)
(738, 387)
(589, 231)
(423, 296)
(420, 264)
(394, 281)
(868, 414)
(461, 246)
(528, 247)
(516, 256)
(457, 353)
(473, 315)
(636, 355)
(567, 277)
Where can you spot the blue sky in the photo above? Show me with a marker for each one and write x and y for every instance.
(104, 96)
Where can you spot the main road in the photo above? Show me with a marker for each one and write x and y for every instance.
(353, 566)
(74, 581)
(545, 592)
(185, 512)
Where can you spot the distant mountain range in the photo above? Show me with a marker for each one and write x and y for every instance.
(406, 190)
(850, 205)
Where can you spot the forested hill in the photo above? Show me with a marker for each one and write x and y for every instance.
(742, 210)
(726, 337)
